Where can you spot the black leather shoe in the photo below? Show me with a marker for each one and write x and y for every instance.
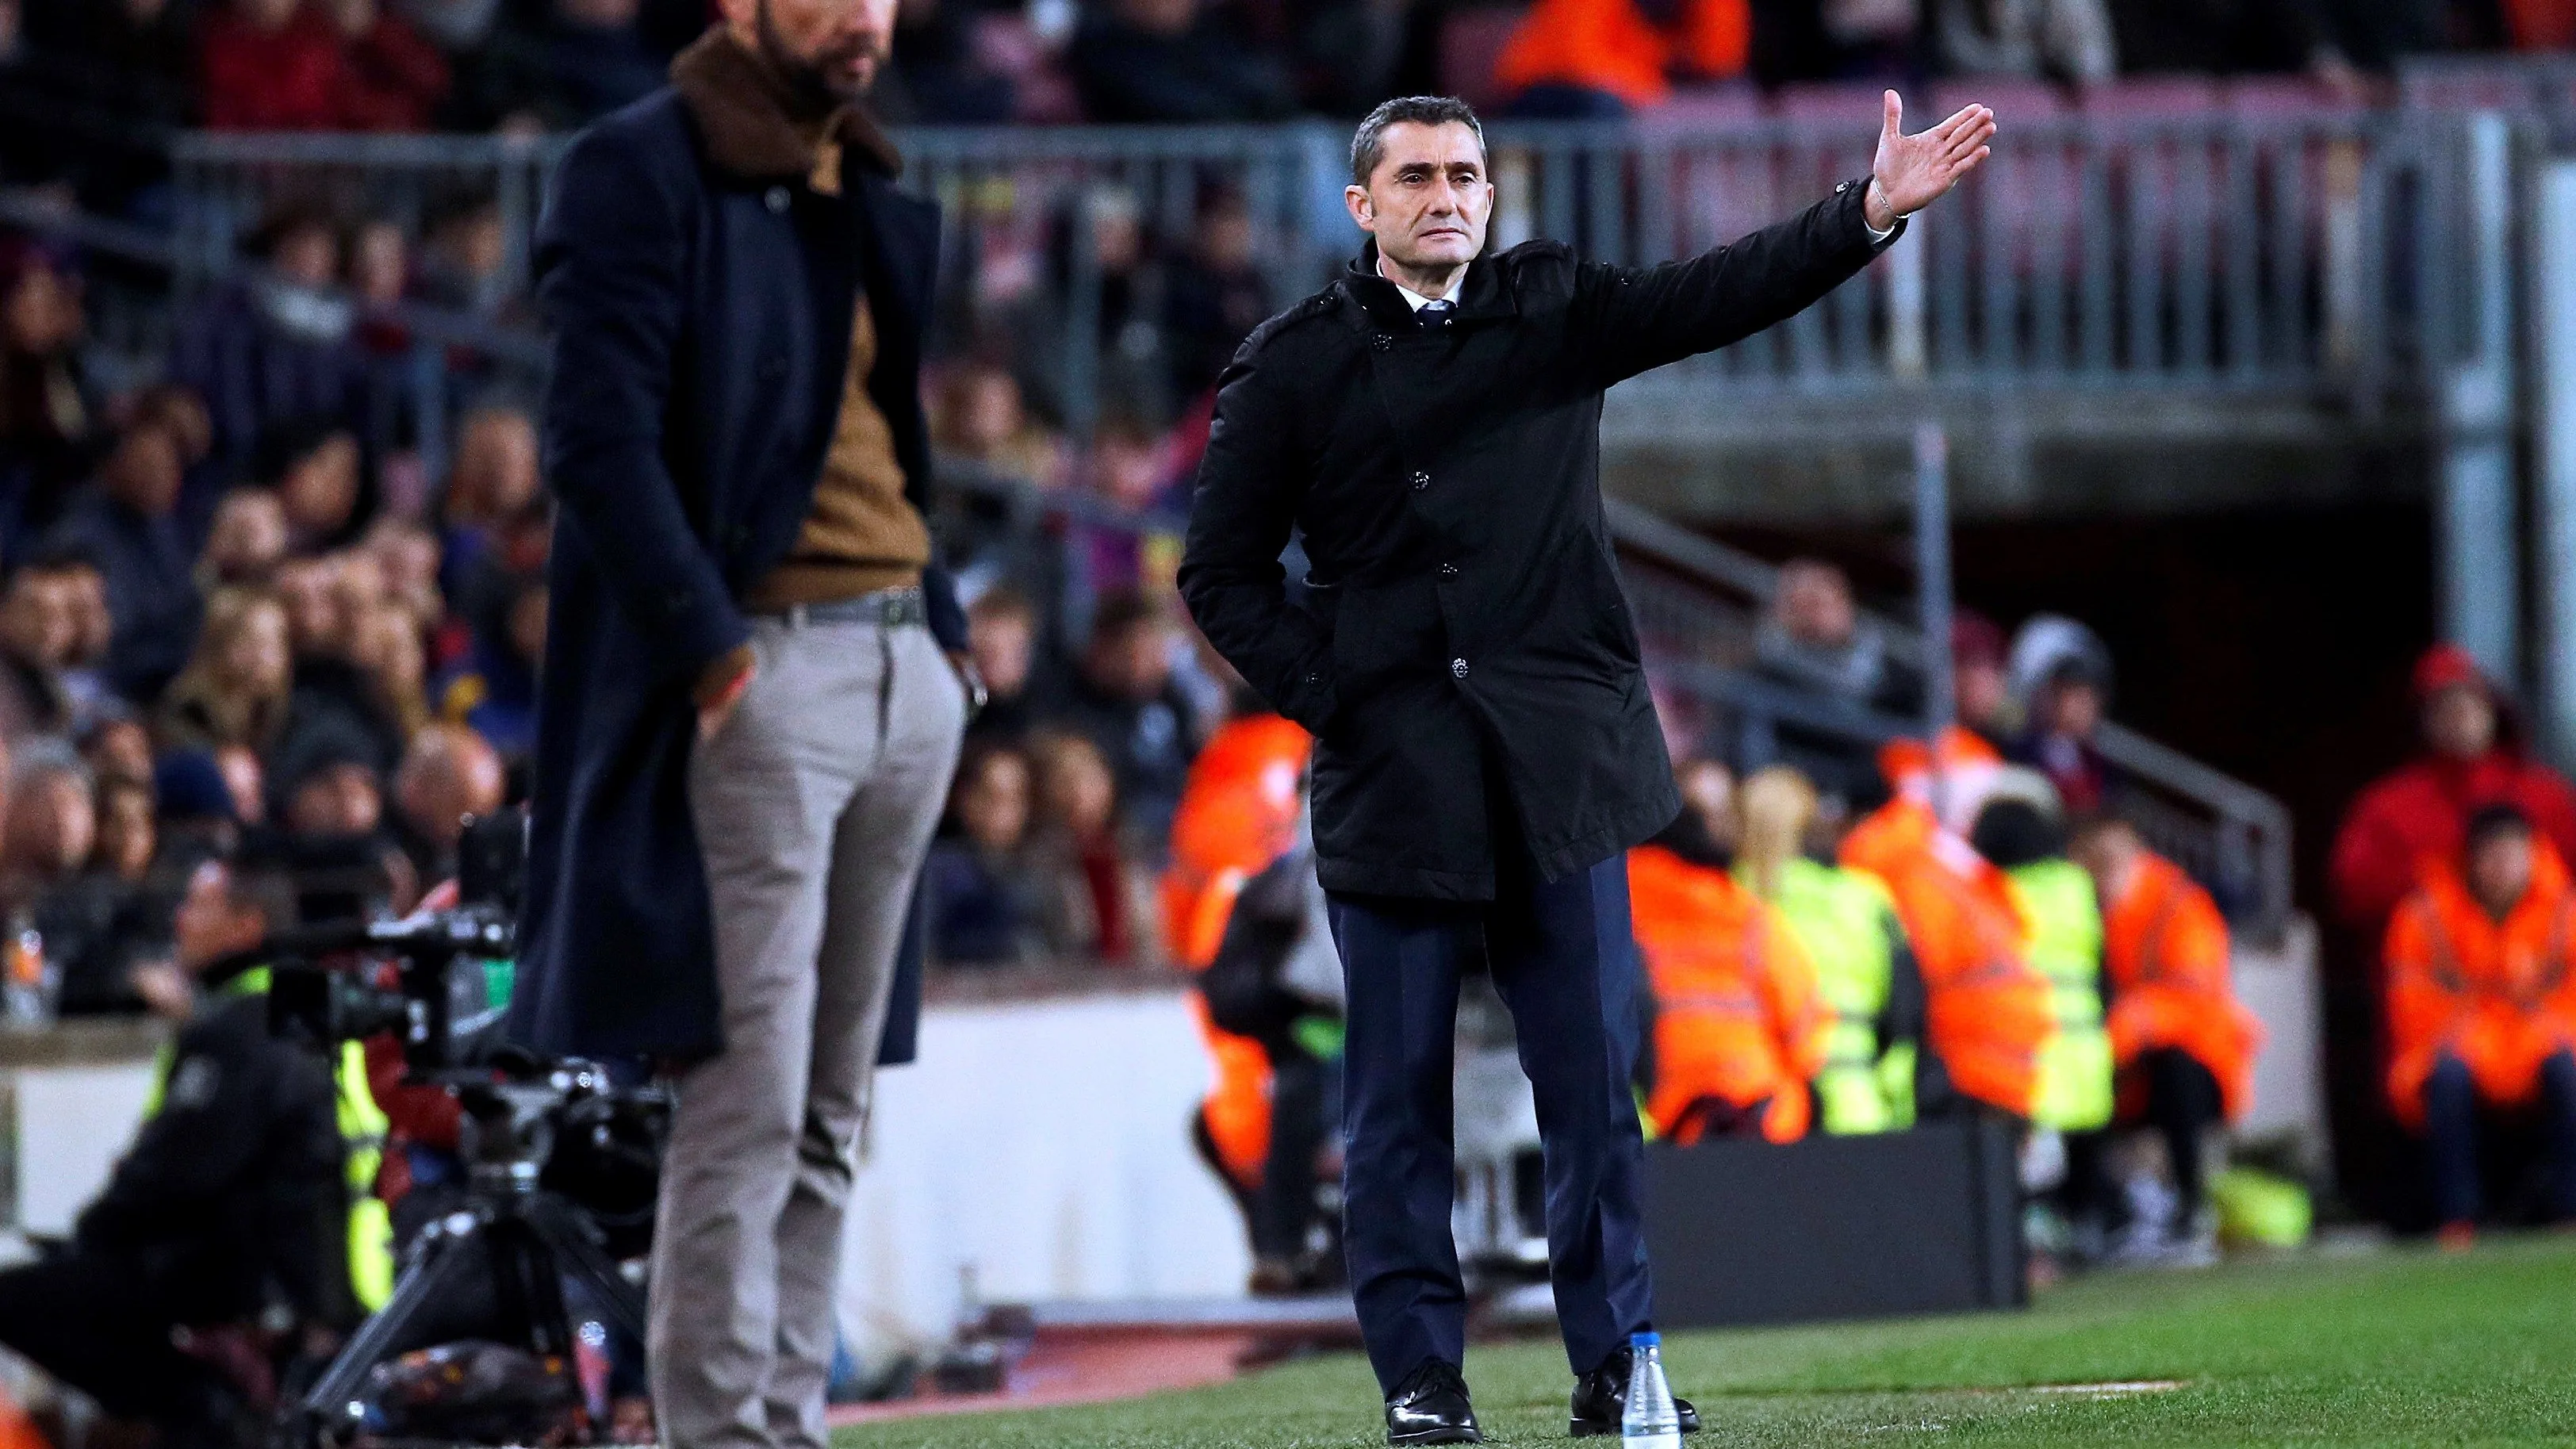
(1601, 1397)
(1430, 1407)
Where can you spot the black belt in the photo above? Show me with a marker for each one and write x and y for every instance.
(887, 608)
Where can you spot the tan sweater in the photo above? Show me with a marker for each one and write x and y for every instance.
(862, 534)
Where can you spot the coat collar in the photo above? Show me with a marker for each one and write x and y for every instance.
(1484, 297)
(747, 115)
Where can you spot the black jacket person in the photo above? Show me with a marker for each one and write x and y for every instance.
(230, 1202)
(1485, 744)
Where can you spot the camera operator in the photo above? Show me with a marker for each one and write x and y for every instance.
(246, 1193)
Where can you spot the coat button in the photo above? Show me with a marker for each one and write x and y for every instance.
(1314, 677)
(1421, 480)
(1448, 571)
(776, 200)
(1457, 669)
(1382, 341)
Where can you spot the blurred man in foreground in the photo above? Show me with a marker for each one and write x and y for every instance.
(237, 1200)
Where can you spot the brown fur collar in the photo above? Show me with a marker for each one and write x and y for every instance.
(745, 111)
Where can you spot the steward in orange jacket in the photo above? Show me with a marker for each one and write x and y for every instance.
(1739, 1026)
(2166, 966)
(1610, 49)
(2183, 1045)
(1238, 813)
(2482, 1005)
(1988, 1012)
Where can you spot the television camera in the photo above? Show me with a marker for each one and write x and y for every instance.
(561, 1162)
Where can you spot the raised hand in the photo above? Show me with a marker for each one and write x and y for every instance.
(1912, 172)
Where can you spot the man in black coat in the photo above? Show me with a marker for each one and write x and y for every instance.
(752, 702)
(1486, 747)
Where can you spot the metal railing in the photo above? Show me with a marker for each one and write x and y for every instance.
(1698, 603)
(2298, 254)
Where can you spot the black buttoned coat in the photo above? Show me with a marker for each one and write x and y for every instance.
(1466, 650)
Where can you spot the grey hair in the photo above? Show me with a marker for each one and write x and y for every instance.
(1368, 143)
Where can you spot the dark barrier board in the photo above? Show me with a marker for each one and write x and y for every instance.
(1927, 1221)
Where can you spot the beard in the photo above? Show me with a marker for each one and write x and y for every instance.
(819, 79)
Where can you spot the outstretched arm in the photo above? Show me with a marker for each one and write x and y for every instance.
(1633, 319)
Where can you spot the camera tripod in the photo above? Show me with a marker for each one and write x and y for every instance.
(528, 1238)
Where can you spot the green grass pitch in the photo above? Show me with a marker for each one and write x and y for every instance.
(2397, 1348)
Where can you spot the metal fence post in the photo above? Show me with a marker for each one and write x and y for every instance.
(2480, 572)
(1932, 572)
(2554, 288)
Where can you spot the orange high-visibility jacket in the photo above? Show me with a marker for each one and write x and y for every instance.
(1238, 813)
(1738, 1016)
(2495, 994)
(1606, 45)
(1987, 1010)
(2165, 954)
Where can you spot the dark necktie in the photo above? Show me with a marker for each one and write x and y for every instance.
(1434, 315)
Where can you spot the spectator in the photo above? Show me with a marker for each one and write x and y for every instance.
(203, 477)
(1002, 637)
(982, 420)
(1586, 59)
(1815, 641)
(1096, 902)
(1981, 689)
(938, 79)
(85, 676)
(39, 631)
(51, 826)
(448, 776)
(118, 749)
(1167, 60)
(2482, 1013)
(380, 281)
(45, 411)
(273, 65)
(197, 813)
(496, 691)
(338, 700)
(1708, 793)
(2472, 756)
(1216, 294)
(2061, 40)
(495, 517)
(275, 348)
(2064, 713)
(245, 782)
(396, 78)
(985, 908)
(236, 687)
(1352, 54)
(386, 647)
(1805, 40)
(246, 542)
(332, 794)
(319, 476)
(1125, 702)
(127, 838)
(127, 525)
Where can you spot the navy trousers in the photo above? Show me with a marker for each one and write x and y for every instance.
(1564, 962)
(2451, 1109)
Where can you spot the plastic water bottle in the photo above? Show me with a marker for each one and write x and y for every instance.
(1650, 1421)
(30, 984)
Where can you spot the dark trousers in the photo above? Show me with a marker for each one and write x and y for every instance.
(1283, 1207)
(2182, 1104)
(95, 1322)
(1564, 962)
(2451, 1128)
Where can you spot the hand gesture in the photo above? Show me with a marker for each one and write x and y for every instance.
(1912, 172)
